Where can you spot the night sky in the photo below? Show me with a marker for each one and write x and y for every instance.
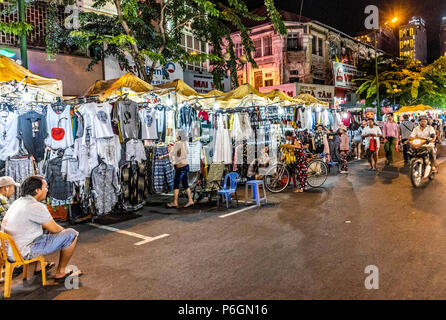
(348, 15)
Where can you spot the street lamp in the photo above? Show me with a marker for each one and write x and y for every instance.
(376, 67)
(394, 91)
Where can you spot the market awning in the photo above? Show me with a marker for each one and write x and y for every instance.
(179, 87)
(107, 88)
(241, 92)
(309, 99)
(10, 70)
(280, 97)
(417, 108)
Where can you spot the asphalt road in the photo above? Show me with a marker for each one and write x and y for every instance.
(312, 245)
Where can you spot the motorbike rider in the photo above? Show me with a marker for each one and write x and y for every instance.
(425, 131)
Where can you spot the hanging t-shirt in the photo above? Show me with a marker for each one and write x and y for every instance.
(148, 124)
(109, 149)
(32, 130)
(60, 129)
(98, 117)
(9, 144)
(128, 119)
(134, 150)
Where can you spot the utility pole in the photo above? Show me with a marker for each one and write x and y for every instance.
(378, 111)
(23, 47)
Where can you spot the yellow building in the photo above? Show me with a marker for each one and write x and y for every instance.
(413, 40)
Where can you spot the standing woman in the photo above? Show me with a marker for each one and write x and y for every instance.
(178, 157)
(301, 160)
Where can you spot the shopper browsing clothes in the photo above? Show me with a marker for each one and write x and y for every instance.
(25, 221)
(256, 164)
(178, 155)
(390, 134)
(7, 189)
(371, 135)
(344, 148)
(301, 161)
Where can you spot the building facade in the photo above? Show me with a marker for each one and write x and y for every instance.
(305, 55)
(413, 40)
(443, 36)
(386, 40)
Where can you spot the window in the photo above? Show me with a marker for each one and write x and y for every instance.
(401, 44)
(320, 46)
(411, 31)
(190, 44)
(268, 82)
(238, 50)
(294, 42)
(318, 81)
(258, 46)
(294, 72)
(313, 42)
(411, 43)
(294, 79)
(267, 46)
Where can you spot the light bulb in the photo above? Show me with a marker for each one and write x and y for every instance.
(281, 111)
(318, 109)
(216, 105)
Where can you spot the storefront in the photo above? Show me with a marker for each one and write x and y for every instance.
(203, 82)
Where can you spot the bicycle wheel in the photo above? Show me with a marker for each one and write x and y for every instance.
(317, 172)
(277, 178)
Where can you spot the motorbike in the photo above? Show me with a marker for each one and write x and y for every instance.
(420, 162)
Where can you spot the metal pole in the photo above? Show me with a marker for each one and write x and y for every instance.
(23, 47)
(378, 105)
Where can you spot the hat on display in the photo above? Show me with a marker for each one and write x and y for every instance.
(343, 128)
(8, 181)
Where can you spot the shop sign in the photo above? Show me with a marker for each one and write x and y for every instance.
(344, 74)
(113, 69)
(203, 82)
(321, 92)
(288, 88)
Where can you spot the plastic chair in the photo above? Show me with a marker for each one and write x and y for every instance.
(227, 191)
(255, 191)
(19, 261)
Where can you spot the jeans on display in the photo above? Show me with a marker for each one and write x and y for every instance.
(18, 169)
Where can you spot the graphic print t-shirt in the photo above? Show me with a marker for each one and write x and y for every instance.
(98, 117)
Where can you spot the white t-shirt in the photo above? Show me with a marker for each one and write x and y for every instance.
(23, 222)
(376, 131)
(56, 122)
(135, 149)
(9, 143)
(98, 117)
(148, 124)
(110, 150)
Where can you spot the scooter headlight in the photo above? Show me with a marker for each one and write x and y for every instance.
(416, 142)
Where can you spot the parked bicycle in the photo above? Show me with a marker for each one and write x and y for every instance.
(278, 177)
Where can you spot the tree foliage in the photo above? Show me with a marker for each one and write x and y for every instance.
(414, 83)
(150, 29)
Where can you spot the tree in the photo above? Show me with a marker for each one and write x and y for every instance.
(414, 83)
(8, 7)
(152, 29)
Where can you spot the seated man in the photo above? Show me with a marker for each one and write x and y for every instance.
(7, 189)
(25, 221)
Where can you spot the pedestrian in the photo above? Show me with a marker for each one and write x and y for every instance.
(344, 147)
(25, 221)
(319, 139)
(7, 189)
(390, 135)
(357, 140)
(406, 127)
(371, 135)
(178, 155)
(301, 161)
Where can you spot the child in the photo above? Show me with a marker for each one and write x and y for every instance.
(344, 147)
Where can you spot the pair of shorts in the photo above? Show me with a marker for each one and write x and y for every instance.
(181, 175)
(49, 243)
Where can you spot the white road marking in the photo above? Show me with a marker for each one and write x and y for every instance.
(238, 211)
(146, 239)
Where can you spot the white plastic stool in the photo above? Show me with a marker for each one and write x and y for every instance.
(255, 191)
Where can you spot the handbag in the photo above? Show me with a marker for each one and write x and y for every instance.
(372, 144)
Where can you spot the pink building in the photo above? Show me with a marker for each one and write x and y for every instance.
(305, 55)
